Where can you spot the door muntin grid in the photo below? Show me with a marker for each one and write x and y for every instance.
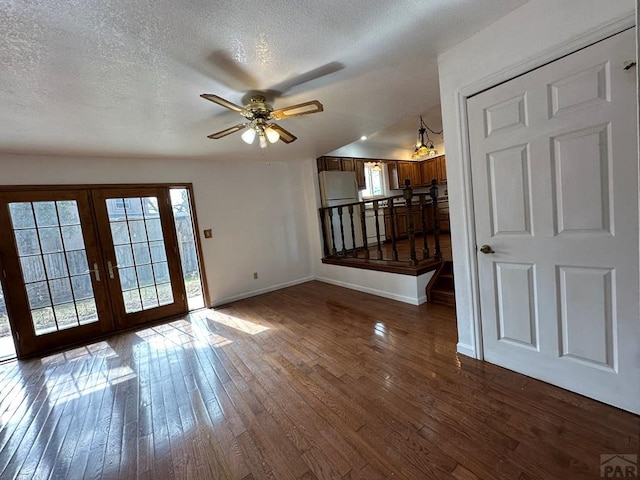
(54, 265)
(141, 255)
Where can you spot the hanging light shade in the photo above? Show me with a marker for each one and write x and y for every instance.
(272, 134)
(424, 149)
(249, 135)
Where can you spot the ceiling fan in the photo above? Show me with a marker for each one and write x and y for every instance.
(260, 115)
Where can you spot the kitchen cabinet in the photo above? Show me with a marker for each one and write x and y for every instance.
(434, 168)
(360, 179)
(344, 164)
(429, 171)
(348, 164)
(392, 171)
(442, 169)
(402, 220)
(329, 164)
(410, 171)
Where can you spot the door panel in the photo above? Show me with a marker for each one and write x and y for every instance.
(141, 254)
(555, 186)
(53, 250)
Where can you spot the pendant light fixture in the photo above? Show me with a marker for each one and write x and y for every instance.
(424, 149)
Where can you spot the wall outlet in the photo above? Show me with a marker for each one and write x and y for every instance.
(255, 275)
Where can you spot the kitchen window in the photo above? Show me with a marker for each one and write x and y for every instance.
(374, 180)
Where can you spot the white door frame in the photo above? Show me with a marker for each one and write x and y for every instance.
(547, 56)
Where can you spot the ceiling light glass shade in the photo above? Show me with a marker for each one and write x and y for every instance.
(377, 167)
(263, 140)
(272, 135)
(249, 136)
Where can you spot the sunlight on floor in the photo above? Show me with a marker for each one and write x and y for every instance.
(75, 386)
(380, 329)
(244, 326)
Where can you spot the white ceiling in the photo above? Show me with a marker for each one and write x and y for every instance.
(123, 77)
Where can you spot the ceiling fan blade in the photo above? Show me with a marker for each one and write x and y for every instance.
(309, 76)
(285, 136)
(314, 106)
(225, 103)
(228, 131)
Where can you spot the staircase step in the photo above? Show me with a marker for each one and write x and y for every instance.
(443, 297)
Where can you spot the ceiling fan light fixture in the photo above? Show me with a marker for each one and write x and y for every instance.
(272, 135)
(258, 113)
(249, 136)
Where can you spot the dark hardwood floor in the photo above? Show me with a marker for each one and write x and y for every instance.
(313, 381)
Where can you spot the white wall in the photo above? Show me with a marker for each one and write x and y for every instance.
(256, 210)
(537, 32)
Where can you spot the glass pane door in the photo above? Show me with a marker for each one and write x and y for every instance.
(143, 266)
(7, 347)
(56, 257)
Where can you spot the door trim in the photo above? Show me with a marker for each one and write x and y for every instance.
(471, 286)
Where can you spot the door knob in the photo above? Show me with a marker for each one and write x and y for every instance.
(486, 249)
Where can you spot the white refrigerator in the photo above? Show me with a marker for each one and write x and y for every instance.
(340, 188)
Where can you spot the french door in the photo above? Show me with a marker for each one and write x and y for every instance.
(140, 252)
(82, 263)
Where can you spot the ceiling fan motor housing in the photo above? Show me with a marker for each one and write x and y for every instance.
(258, 108)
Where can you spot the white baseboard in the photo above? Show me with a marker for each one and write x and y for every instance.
(260, 291)
(466, 350)
(372, 291)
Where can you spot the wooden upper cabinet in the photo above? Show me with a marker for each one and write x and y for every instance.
(442, 169)
(348, 164)
(332, 163)
(416, 175)
(360, 178)
(394, 178)
(344, 164)
(429, 171)
(411, 171)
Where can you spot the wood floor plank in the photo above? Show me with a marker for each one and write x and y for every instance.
(309, 382)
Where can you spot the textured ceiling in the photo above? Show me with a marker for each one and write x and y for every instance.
(123, 77)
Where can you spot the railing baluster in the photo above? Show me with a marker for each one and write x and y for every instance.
(376, 214)
(344, 250)
(436, 218)
(323, 223)
(353, 231)
(408, 194)
(363, 222)
(333, 233)
(392, 223)
(423, 212)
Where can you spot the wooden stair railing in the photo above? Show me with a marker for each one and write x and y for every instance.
(341, 241)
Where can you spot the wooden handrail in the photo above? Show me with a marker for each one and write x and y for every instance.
(348, 237)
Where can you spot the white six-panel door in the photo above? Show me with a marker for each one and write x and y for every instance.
(555, 189)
